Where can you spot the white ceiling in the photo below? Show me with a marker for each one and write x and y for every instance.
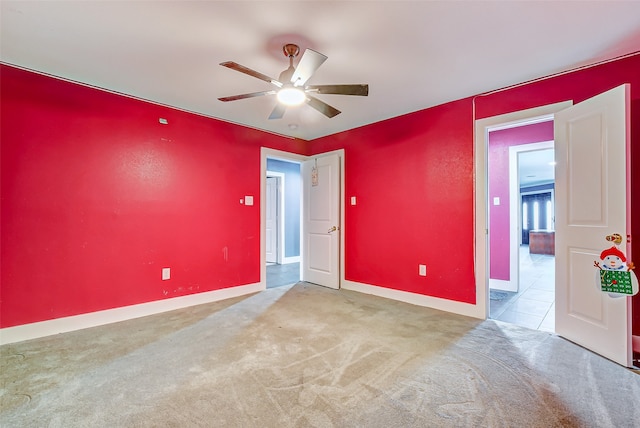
(536, 167)
(413, 54)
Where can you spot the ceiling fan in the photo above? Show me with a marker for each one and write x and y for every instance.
(291, 88)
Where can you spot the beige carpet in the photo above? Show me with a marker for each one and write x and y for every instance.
(307, 356)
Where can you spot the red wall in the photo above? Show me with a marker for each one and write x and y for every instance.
(498, 160)
(413, 178)
(98, 197)
(579, 86)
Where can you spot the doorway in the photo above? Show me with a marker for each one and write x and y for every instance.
(592, 143)
(528, 297)
(282, 222)
(486, 224)
(320, 253)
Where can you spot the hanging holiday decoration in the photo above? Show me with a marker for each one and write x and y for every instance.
(615, 273)
(314, 173)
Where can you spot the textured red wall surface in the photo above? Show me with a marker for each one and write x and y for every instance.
(579, 86)
(98, 197)
(413, 178)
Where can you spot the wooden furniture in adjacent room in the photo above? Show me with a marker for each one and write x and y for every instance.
(542, 242)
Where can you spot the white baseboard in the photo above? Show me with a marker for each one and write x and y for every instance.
(294, 259)
(78, 322)
(460, 308)
(500, 284)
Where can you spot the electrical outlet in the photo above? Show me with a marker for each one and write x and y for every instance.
(422, 270)
(166, 274)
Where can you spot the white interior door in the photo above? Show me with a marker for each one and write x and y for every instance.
(592, 140)
(321, 221)
(271, 237)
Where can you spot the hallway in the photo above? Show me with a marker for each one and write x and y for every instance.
(533, 306)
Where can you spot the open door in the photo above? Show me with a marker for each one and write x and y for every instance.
(592, 177)
(272, 220)
(321, 220)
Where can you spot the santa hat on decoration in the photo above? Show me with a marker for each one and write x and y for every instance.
(613, 251)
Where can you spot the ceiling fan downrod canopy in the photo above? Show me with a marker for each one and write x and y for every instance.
(290, 50)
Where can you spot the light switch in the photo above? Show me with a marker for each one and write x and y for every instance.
(496, 200)
(248, 200)
(166, 274)
(422, 270)
(353, 200)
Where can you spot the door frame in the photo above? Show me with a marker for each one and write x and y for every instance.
(481, 214)
(280, 184)
(294, 157)
(515, 203)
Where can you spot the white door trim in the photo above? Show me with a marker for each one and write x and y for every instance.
(293, 157)
(481, 144)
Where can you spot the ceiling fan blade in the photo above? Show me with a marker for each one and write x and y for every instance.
(242, 69)
(308, 65)
(278, 111)
(362, 89)
(243, 96)
(322, 107)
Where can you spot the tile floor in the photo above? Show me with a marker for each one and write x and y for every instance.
(279, 275)
(534, 305)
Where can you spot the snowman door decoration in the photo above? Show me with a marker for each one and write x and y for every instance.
(615, 273)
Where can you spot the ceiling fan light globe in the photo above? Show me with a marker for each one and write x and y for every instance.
(291, 96)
